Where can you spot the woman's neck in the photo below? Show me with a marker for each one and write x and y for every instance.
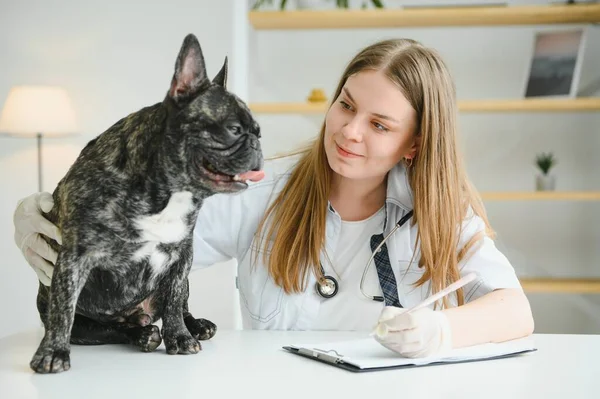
(357, 200)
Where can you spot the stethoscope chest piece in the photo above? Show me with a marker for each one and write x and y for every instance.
(329, 288)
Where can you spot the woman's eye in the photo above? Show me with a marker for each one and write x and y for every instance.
(345, 105)
(379, 126)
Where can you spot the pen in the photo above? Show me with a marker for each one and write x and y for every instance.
(448, 290)
(381, 329)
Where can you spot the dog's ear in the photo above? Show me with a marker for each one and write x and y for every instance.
(190, 70)
(221, 77)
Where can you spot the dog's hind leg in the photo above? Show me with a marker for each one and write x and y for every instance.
(201, 329)
(146, 338)
(86, 331)
(90, 332)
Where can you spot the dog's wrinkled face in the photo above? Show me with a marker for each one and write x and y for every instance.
(214, 131)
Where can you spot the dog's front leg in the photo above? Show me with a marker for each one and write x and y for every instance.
(176, 337)
(53, 353)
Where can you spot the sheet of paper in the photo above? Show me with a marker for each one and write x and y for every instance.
(368, 353)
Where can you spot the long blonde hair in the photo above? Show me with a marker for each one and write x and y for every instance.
(441, 189)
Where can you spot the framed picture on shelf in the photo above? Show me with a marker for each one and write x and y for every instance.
(555, 66)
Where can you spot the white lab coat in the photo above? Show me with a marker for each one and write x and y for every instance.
(227, 224)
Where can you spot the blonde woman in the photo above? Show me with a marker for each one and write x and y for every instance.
(304, 234)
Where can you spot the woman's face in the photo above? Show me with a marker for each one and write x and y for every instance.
(369, 128)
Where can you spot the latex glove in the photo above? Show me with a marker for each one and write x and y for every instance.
(29, 224)
(420, 333)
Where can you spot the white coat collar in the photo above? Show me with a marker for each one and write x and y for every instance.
(399, 191)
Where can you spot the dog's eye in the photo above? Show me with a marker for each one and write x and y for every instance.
(235, 129)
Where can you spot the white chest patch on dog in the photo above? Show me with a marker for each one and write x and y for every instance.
(169, 225)
(158, 260)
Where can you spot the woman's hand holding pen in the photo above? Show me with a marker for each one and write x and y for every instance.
(417, 333)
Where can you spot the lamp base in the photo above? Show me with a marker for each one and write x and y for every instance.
(39, 153)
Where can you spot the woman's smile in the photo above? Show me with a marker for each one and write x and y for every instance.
(345, 153)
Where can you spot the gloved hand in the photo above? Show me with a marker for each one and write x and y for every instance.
(420, 333)
(29, 223)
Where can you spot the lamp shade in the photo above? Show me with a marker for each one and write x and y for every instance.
(31, 110)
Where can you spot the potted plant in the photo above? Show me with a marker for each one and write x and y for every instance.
(316, 4)
(545, 181)
(259, 3)
(345, 3)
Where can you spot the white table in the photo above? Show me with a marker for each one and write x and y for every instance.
(251, 364)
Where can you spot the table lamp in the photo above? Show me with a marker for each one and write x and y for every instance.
(36, 111)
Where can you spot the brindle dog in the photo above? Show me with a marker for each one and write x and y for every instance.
(127, 209)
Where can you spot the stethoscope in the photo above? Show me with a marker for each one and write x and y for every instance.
(330, 286)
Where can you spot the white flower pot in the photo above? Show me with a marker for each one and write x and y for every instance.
(545, 183)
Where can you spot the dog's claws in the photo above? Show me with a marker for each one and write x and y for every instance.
(150, 338)
(47, 361)
(182, 344)
(201, 329)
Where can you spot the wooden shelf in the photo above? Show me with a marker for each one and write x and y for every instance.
(531, 105)
(541, 196)
(509, 105)
(561, 285)
(423, 17)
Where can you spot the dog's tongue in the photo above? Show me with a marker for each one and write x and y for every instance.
(253, 175)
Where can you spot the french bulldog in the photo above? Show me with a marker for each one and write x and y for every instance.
(127, 209)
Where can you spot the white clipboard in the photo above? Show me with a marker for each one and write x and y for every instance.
(368, 355)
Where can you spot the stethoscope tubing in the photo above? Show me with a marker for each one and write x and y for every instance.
(400, 223)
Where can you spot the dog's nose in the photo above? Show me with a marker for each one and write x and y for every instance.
(255, 130)
(259, 163)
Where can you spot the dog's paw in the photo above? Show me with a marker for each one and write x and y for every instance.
(200, 329)
(48, 360)
(182, 343)
(149, 338)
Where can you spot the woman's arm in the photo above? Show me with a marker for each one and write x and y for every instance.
(498, 316)
(495, 310)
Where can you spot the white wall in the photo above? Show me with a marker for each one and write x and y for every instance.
(115, 57)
